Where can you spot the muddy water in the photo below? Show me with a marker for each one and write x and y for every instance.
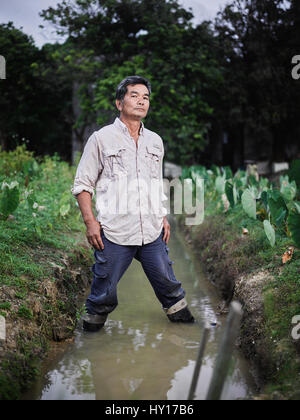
(139, 354)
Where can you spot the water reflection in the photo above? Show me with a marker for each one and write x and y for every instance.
(139, 354)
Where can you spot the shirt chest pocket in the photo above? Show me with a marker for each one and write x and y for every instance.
(153, 159)
(114, 162)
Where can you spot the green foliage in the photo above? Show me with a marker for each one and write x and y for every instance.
(288, 189)
(270, 232)
(81, 311)
(249, 203)
(277, 206)
(5, 306)
(16, 161)
(35, 100)
(119, 39)
(42, 201)
(259, 199)
(250, 34)
(220, 184)
(230, 192)
(9, 199)
(25, 312)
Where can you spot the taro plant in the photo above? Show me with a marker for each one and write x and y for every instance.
(249, 203)
(276, 208)
(270, 232)
(288, 189)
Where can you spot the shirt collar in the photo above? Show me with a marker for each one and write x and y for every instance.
(124, 128)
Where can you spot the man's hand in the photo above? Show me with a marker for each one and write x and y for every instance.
(167, 230)
(93, 229)
(92, 226)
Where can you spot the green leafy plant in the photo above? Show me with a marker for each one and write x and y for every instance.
(81, 311)
(249, 203)
(9, 198)
(288, 189)
(25, 312)
(260, 199)
(64, 204)
(277, 206)
(231, 193)
(220, 184)
(5, 306)
(270, 232)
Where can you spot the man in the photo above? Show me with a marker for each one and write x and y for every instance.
(123, 162)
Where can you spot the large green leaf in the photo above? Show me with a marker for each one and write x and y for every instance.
(294, 227)
(276, 204)
(228, 172)
(220, 184)
(216, 170)
(249, 203)
(229, 191)
(297, 206)
(270, 232)
(280, 217)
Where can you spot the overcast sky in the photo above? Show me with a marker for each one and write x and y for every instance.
(25, 13)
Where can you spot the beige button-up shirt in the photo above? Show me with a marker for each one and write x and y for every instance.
(128, 181)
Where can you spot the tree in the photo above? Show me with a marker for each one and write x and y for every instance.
(259, 90)
(153, 38)
(17, 91)
(34, 101)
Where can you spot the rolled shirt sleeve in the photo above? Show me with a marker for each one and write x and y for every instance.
(89, 168)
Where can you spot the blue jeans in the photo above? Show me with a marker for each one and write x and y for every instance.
(112, 262)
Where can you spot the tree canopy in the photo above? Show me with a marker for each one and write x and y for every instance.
(152, 38)
(34, 101)
(230, 75)
(258, 39)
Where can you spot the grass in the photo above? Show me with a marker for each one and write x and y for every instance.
(23, 237)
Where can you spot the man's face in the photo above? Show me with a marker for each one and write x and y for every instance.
(135, 103)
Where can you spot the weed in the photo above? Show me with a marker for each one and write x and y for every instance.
(25, 312)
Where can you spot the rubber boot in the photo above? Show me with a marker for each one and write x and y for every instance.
(180, 312)
(93, 323)
(184, 315)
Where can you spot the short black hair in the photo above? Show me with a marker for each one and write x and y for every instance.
(131, 80)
